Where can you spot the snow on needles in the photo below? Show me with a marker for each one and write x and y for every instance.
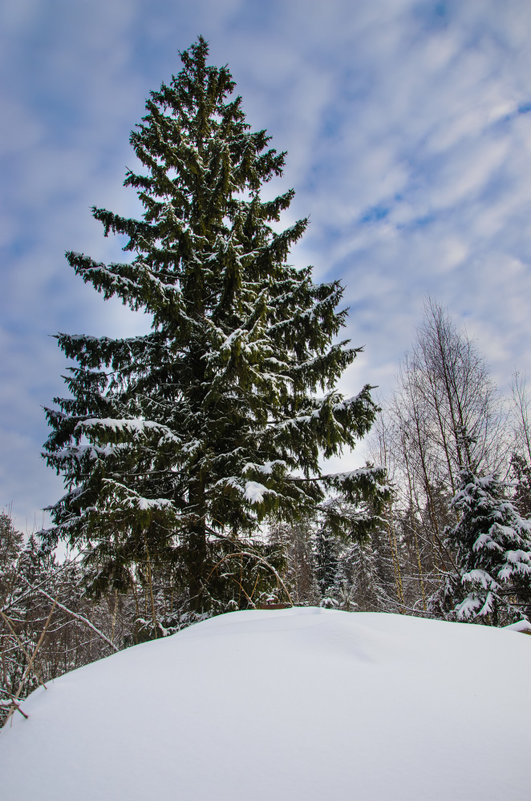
(254, 492)
(292, 705)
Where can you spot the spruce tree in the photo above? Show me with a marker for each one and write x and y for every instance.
(174, 445)
(490, 548)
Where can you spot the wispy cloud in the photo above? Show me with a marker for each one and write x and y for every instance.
(408, 130)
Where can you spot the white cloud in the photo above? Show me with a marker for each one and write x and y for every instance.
(406, 144)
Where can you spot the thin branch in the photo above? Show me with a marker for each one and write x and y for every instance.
(21, 645)
(14, 704)
(81, 619)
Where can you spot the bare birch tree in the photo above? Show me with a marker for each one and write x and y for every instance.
(445, 417)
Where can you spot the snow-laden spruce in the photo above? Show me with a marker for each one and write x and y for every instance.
(173, 445)
(490, 550)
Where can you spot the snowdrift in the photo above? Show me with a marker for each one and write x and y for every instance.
(291, 705)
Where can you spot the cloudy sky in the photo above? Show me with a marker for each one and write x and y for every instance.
(408, 130)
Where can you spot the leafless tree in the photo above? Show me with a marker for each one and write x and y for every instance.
(446, 416)
(521, 421)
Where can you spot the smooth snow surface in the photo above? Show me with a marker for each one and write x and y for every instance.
(288, 705)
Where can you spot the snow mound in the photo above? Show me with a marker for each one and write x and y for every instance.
(291, 705)
(520, 625)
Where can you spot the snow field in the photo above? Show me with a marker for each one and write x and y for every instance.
(298, 704)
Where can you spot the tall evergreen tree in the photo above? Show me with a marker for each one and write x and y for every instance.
(491, 550)
(174, 444)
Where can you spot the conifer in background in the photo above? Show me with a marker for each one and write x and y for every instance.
(174, 445)
(490, 548)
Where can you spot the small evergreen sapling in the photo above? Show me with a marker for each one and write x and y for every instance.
(174, 445)
(491, 550)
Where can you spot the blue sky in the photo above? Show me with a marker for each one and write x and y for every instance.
(408, 131)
